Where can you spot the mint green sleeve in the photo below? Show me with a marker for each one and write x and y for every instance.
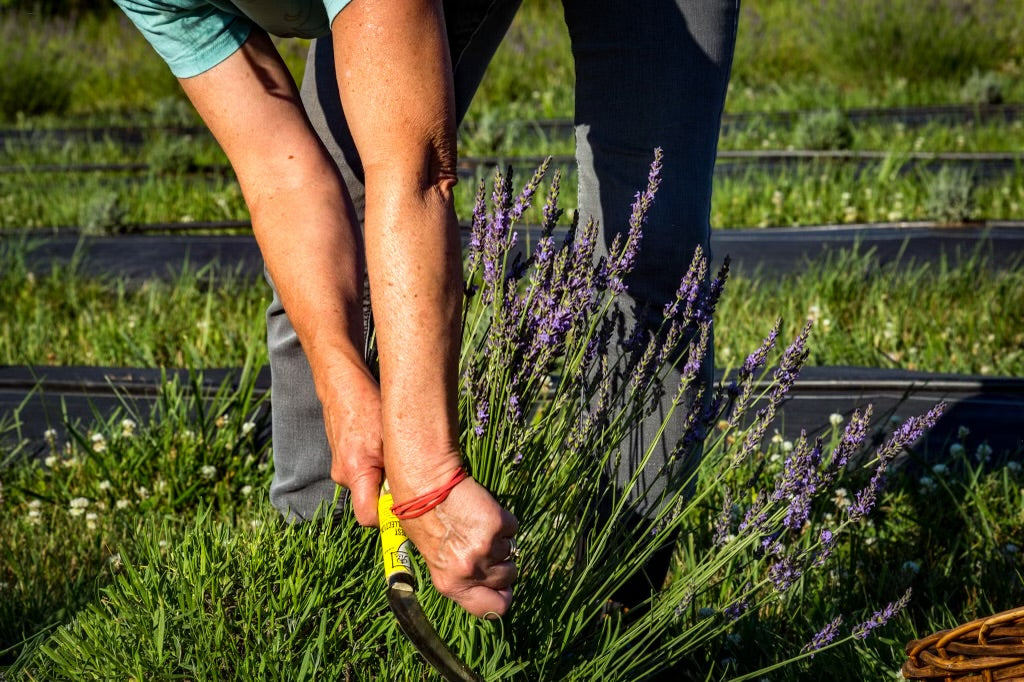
(333, 7)
(192, 36)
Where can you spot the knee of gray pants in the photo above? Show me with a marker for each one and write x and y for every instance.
(302, 487)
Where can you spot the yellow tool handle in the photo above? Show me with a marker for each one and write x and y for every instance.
(394, 543)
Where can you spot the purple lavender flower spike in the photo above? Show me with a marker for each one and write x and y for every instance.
(824, 637)
(784, 377)
(479, 221)
(707, 307)
(723, 523)
(759, 357)
(622, 256)
(910, 431)
(482, 417)
(734, 611)
(525, 197)
(853, 438)
(783, 573)
(893, 609)
(551, 212)
(866, 497)
(906, 435)
(689, 285)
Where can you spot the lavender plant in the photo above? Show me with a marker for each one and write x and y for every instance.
(548, 399)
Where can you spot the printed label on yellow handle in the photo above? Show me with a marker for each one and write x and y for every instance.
(394, 544)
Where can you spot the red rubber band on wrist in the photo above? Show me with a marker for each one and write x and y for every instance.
(418, 506)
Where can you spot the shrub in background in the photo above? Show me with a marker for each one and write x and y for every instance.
(824, 130)
(950, 196)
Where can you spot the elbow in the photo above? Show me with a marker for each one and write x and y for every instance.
(427, 167)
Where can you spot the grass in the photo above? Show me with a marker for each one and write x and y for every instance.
(948, 317)
(202, 317)
(148, 549)
(810, 193)
(789, 56)
(961, 318)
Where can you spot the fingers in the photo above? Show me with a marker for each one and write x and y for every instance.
(483, 602)
(364, 491)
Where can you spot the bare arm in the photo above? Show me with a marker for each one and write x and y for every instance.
(394, 78)
(304, 223)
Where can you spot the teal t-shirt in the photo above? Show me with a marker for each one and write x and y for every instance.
(193, 36)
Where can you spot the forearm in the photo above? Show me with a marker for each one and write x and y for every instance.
(311, 248)
(300, 211)
(394, 78)
(413, 255)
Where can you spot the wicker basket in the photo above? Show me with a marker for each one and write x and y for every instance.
(983, 650)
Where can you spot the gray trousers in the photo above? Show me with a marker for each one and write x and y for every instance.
(648, 74)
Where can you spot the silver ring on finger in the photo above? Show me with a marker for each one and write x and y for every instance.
(513, 550)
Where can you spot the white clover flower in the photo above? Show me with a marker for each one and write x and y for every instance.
(787, 446)
(246, 490)
(160, 485)
(51, 461)
(940, 469)
(188, 434)
(104, 485)
(912, 567)
(122, 504)
(142, 492)
(841, 498)
(50, 435)
(79, 503)
(115, 561)
(835, 419)
(777, 438)
(208, 471)
(99, 442)
(34, 516)
(35, 504)
(221, 422)
(983, 452)
(76, 512)
(956, 450)
(90, 519)
(963, 432)
(69, 462)
(248, 427)
(128, 427)
(927, 484)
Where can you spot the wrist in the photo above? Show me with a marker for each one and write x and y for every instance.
(420, 472)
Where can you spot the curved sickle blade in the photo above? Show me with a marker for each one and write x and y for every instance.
(412, 621)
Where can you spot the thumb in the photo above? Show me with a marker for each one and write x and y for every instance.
(364, 492)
